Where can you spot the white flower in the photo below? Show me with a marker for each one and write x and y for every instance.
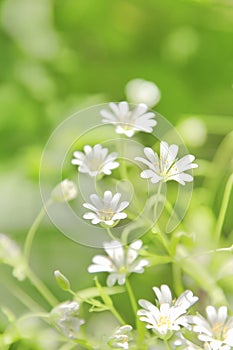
(217, 331)
(65, 191)
(65, 318)
(120, 262)
(106, 210)
(143, 91)
(95, 160)
(10, 254)
(121, 338)
(170, 315)
(128, 121)
(167, 166)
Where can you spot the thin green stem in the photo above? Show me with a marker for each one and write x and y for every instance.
(41, 287)
(84, 343)
(168, 346)
(110, 233)
(23, 297)
(117, 315)
(223, 209)
(32, 232)
(157, 199)
(140, 326)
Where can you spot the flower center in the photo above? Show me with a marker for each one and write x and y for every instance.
(106, 214)
(219, 331)
(164, 322)
(95, 163)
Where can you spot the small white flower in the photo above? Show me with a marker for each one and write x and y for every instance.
(10, 254)
(95, 160)
(170, 315)
(106, 210)
(66, 319)
(128, 121)
(65, 191)
(167, 167)
(143, 91)
(217, 331)
(121, 338)
(120, 262)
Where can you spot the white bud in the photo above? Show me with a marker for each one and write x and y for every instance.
(65, 191)
(142, 91)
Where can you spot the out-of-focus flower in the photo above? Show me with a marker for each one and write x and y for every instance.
(120, 261)
(129, 121)
(95, 160)
(143, 91)
(193, 131)
(217, 331)
(167, 167)
(10, 254)
(106, 210)
(170, 315)
(121, 338)
(65, 191)
(65, 318)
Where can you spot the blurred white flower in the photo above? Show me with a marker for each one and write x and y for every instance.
(106, 210)
(65, 317)
(65, 191)
(10, 254)
(217, 331)
(170, 315)
(128, 121)
(193, 131)
(120, 261)
(143, 91)
(167, 167)
(120, 339)
(95, 160)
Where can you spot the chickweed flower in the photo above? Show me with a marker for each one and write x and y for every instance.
(120, 339)
(169, 316)
(65, 191)
(128, 121)
(107, 209)
(217, 331)
(95, 160)
(10, 254)
(120, 261)
(65, 317)
(166, 167)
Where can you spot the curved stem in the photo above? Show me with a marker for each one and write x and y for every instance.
(32, 232)
(41, 287)
(223, 209)
(110, 233)
(168, 346)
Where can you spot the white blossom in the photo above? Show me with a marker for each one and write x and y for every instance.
(95, 160)
(169, 315)
(107, 209)
(120, 262)
(217, 331)
(10, 254)
(143, 91)
(65, 191)
(65, 317)
(121, 338)
(128, 121)
(167, 166)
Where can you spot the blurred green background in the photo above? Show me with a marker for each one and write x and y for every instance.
(57, 57)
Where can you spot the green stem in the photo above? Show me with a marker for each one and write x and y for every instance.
(157, 200)
(41, 287)
(223, 208)
(110, 233)
(84, 343)
(168, 346)
(23, 297)
(32, 231)
(140, 326)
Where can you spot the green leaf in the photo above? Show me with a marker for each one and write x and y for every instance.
(106, 299)
(94, 292)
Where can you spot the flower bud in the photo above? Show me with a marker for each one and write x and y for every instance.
(62, 281)
(65, 191)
